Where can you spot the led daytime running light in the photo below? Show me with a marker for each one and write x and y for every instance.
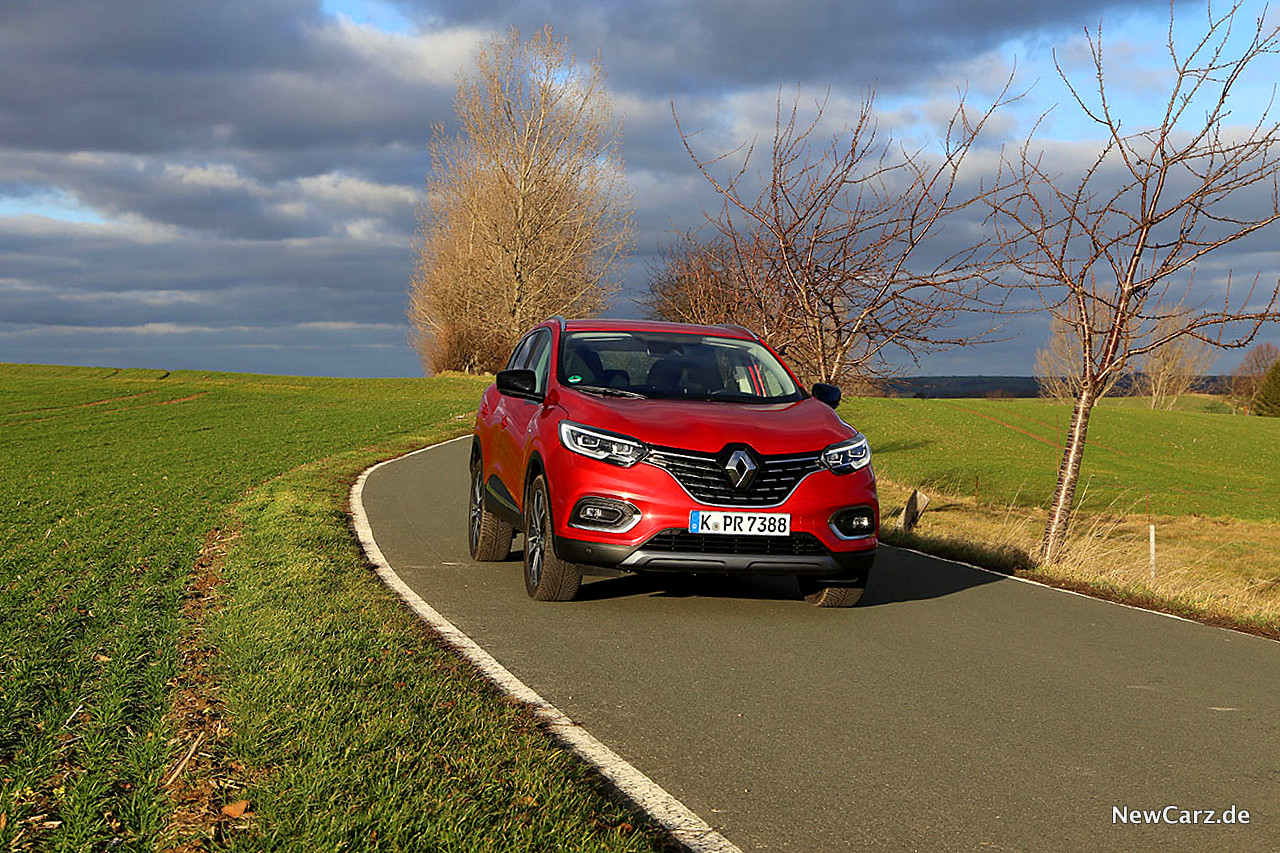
(847, 456)
(605, 446)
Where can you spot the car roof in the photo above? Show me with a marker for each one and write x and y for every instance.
(607, 325)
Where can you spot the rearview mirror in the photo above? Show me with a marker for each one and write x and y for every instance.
(828, 394)
(517, 383)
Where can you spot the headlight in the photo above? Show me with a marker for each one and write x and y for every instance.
(598, 444)
(847, 456)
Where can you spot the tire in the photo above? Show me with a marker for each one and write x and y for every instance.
(824, 593)
(488, 536)
(546, 576)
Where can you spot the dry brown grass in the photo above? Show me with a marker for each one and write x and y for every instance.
(204, 783)
(1214, 570)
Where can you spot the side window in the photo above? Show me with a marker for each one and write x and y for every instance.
(520, 354)
(539, 359)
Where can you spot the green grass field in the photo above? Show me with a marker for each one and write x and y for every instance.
(1207, 480)
(347, 727)
(1170, 463)
(298, 693)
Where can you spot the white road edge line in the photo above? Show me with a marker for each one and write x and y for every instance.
(647, 795)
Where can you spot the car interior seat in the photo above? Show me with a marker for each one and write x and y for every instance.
(703, 377)
(615, 379)
(584, 365)
(665, 375)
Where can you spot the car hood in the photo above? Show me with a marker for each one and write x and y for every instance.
(805, 426)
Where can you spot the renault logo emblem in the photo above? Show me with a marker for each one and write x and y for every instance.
(740, 469)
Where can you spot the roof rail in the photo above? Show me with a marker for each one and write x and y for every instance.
(559, 318)
(739, 328)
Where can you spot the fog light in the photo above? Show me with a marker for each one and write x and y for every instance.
(601, 514)
(609, 514)
(855, 523)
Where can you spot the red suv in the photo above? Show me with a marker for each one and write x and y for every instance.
(639, 446)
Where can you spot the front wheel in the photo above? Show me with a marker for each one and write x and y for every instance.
(488, 536)
(546, 576)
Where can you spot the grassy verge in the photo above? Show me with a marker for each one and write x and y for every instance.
(1209, 483)
(374, 736)
(329, 711)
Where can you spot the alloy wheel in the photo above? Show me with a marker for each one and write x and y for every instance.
(475, 513)
(534, 534)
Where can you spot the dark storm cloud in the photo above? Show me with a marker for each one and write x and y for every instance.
(259, 166)
(142, 295)
(164, 75)
(258, 163)
(730, 44)
(225, 200)
(52, 267)
(308, 350)
(245, 120)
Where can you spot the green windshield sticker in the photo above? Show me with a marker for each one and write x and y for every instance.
(575, 378)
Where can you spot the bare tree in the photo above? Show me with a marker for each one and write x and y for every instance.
(1247, 378)
(698, 282)
(1056, 368)
(1172, 370)
(837, 251)
(1111, 251)
(1058, 364)
(528, 213)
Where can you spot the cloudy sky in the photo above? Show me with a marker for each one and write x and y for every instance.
(233, 184)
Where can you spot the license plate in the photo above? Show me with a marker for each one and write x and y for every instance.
(749, 523)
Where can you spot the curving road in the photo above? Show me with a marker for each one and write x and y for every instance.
(952, 710)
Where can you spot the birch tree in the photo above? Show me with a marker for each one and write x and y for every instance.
(1112, 249)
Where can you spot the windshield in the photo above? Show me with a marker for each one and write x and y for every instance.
(665, 365)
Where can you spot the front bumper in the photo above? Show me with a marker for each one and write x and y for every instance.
(672, 551)
(659, 540)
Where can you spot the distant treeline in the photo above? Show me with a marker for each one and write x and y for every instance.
(1012, 386)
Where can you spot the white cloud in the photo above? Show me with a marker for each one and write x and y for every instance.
(346, 191)
(431, 58)
(127, 229)
(220, 176)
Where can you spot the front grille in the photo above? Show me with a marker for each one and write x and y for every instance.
(677, 541)
(703, 476)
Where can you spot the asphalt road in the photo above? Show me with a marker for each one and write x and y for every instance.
(951, 710)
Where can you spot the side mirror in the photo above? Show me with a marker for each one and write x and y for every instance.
(828, 394)
(517, 383)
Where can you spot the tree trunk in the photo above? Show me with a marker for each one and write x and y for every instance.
(1055, 531)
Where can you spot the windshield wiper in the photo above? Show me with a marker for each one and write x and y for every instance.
(749, 399)
(605, 391)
